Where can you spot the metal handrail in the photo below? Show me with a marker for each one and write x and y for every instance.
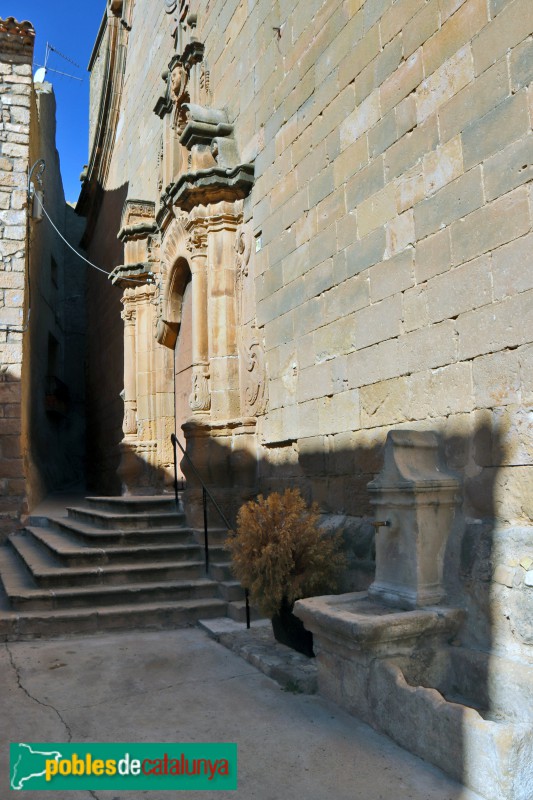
(205, 494)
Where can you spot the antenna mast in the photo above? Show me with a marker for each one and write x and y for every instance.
(44, 68)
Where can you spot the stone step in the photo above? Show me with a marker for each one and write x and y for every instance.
(216, 535)
(70, 551)
(105, 537)
(231, 590)
(135, 504)
(16, 625)
(25, 596)
(47, 572)
(107, 554)
(237, 611)
(220, 571)
(111, 520)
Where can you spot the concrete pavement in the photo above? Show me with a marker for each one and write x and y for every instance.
(180, 686)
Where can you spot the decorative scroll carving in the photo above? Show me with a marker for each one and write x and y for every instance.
(251, 352)
(200, 398)
(243, 248)
(255, 385)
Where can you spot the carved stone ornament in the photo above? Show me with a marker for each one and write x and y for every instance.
(176, 78)
(252, 355)
(197, 241)
(170, 5)
(243, 248)
(200, 398)
(179, 78)
(255, 385)
(214, 172)
(129, 425)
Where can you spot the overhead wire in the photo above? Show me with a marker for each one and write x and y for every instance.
(36, 196)
(90, 263)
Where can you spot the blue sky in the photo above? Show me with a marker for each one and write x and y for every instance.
(70, 27)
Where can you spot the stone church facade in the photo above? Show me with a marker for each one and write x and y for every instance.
(319, 217)
(316, 220)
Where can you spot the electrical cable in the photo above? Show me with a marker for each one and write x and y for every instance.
(90, 263)
(41, 165)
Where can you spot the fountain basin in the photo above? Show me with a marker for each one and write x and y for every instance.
(400, 672)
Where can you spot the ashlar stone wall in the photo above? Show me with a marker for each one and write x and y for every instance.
(392, 214)
(391, 218)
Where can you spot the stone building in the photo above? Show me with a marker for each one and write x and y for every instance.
(317, 220)
(318, 217)
(41, 295)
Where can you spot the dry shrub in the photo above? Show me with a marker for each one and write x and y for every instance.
(279, 551)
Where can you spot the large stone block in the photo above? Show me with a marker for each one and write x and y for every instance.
(396, 18)
(508, 29)
(444, 83)
(521, 65)
(462, 289)
(400, 233)
(365, 252)
(392, 276)
(496, 326)
(378, 322)
(365, 182)
(512, 267)
(489, 227)
(509, 168)
(374, 364)
(452, 202)
(361, 120)
(402, 82)
(428, 348)
(503, 124)
(459, 29)
(411, 148)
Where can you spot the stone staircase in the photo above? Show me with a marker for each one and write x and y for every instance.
(113, 563)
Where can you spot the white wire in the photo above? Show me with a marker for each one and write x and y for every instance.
(90, 263)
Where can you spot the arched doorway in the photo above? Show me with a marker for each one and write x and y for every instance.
(183, 361)
(183, 356)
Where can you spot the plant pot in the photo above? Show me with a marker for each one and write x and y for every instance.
(289, 630)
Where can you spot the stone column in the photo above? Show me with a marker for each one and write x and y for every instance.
(223, 221)
(130, 370)
(200, 399)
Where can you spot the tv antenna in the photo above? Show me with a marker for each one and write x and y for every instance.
(40, 75)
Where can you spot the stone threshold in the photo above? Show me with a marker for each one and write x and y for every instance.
(293, 671)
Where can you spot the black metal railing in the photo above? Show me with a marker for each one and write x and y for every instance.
(206, 494)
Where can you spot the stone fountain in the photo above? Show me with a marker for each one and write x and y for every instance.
(392, 655)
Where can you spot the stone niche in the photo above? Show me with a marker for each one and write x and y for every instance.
(392, 657)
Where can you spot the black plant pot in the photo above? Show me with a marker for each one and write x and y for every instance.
(289, 630)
